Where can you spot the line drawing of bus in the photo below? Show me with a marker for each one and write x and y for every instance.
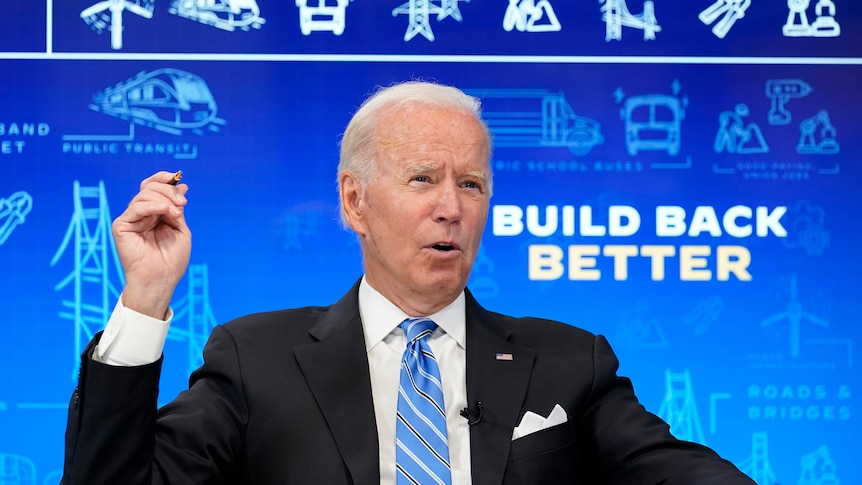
(328, 15)
(653, 122)
(167, 99)
(536, 118)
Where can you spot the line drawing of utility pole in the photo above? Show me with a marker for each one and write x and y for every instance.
(13, 211)
(93, 249)
(757, 465)
(679, 409)
(615, 14)
(109, 14)
(196, 310)
(419, 12)
(794, 314)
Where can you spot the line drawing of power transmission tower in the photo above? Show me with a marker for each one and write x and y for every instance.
(794, 314)
(195, 308)
(93, 251)
(679, 409)
(420, 11)
(757, 465)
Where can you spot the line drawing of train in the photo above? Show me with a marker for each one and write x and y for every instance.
(536, 118)
(167, 99)
(223, 14)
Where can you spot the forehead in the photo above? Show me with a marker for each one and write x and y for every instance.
(420, 131)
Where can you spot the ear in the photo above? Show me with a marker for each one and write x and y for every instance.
(352, 204)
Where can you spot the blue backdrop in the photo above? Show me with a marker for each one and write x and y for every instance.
(680, 176)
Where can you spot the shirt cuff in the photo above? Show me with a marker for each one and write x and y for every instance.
(131, 338)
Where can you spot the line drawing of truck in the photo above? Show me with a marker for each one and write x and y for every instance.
(536, 118)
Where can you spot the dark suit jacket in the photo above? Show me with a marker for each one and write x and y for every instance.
(285, 397)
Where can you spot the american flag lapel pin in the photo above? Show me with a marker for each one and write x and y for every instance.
(501, 356)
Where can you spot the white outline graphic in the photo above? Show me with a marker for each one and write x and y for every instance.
(420, 11)
(322, 17)
(824, 24)
(227, 15)
(14, 210)
(108, 14)
(529, 16)
(616, 15)
(729, 10)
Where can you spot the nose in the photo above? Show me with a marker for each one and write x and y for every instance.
(449, 206)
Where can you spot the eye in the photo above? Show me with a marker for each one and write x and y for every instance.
(421, 178)
(474, 185)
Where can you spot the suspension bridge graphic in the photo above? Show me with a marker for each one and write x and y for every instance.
(616, 15)
(679, 409)
(757, 465)
(93, 285)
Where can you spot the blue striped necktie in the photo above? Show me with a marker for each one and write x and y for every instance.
(422, 446)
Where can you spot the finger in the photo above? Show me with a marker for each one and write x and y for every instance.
(158, 177)
(175, 193)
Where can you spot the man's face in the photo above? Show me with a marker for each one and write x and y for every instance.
(421, 218)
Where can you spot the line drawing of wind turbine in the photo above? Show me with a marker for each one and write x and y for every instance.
(794, 314)
(116, 8)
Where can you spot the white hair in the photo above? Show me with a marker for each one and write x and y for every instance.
(359, 143)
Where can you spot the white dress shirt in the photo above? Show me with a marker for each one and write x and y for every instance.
(131, 338)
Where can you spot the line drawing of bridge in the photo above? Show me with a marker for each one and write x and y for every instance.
(94, 256)
(97, 276)
(679, 409)
(757, 465)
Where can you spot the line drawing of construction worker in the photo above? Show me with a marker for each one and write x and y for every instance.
(528, 16)
(734, 137)
(824, 25)
(814, 141)
(13, 212)
(732, 10)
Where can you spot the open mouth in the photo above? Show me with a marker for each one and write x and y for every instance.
(444, 247)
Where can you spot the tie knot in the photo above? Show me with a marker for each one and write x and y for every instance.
(417, 328)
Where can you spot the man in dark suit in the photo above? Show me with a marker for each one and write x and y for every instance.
(312, 395)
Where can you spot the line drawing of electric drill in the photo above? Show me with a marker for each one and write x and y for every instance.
(780, 91)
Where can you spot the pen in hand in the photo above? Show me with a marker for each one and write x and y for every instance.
(177, 177)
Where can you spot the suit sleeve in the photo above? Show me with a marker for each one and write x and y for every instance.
(116, 435)
(633, 445)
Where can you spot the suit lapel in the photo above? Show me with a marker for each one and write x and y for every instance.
(500, 384)
(336, 369)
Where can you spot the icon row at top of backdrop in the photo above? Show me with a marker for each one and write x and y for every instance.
(442, 27)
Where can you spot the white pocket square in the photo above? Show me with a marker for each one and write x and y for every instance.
(532, 422)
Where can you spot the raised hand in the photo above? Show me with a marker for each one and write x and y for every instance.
(154, 243)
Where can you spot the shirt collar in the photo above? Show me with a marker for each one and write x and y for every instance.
(380, 316)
